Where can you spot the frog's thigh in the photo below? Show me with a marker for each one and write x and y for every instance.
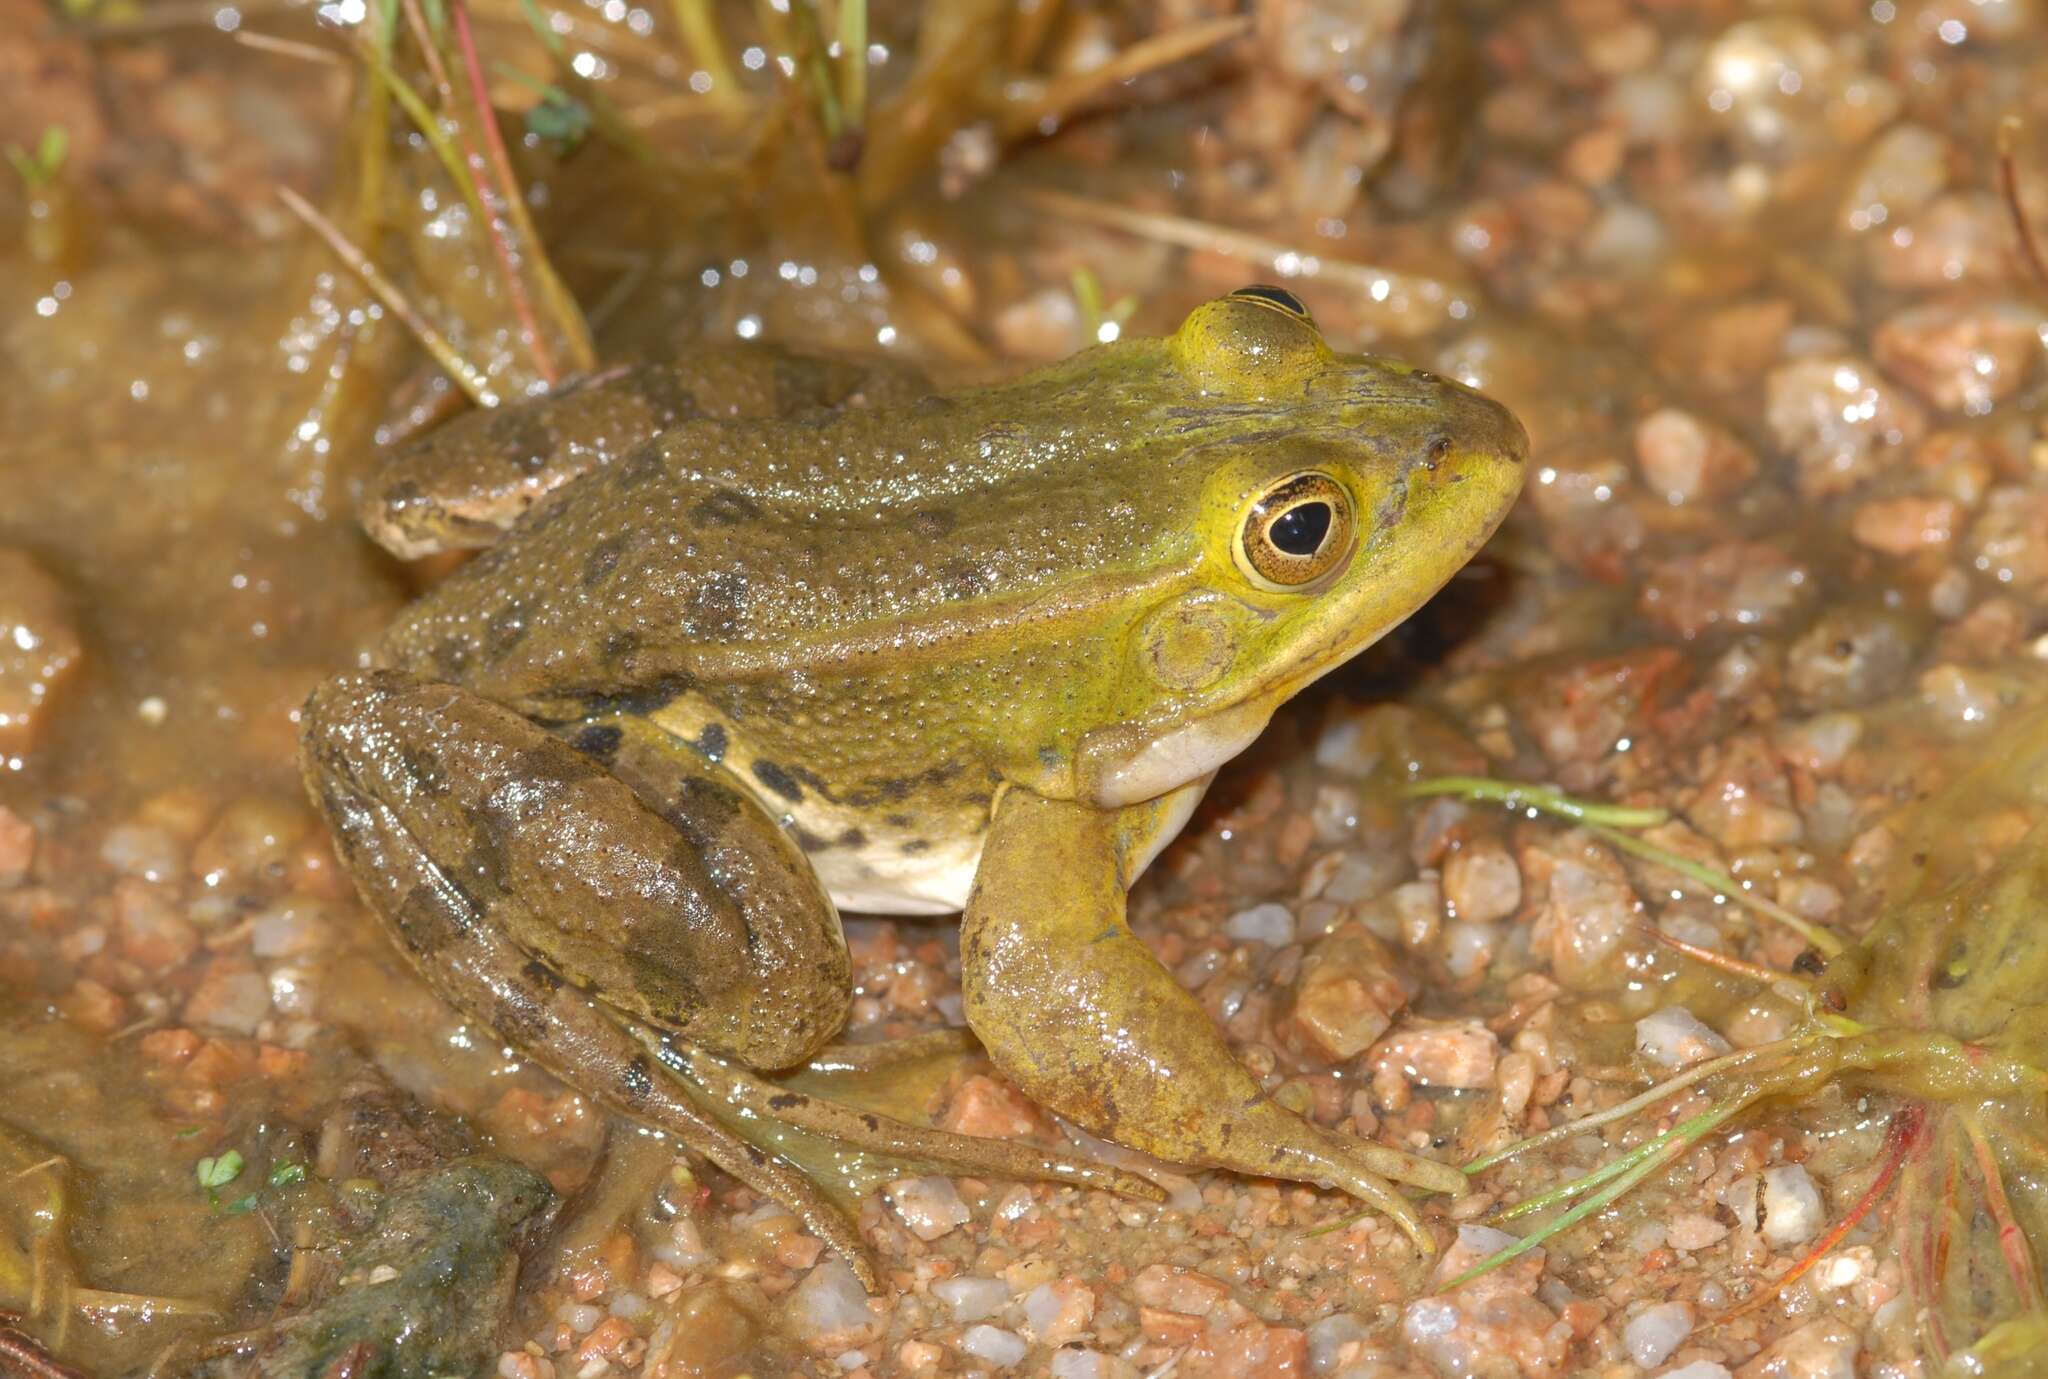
(703, 916)
(1079, 1014)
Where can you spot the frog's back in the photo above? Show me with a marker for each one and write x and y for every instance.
(732, 550)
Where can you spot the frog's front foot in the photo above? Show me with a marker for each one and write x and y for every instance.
(1081, 1016)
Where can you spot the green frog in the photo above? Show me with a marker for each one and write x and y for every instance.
(756, 638)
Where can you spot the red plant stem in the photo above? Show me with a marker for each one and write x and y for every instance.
(2012, 1240)
(508, 187)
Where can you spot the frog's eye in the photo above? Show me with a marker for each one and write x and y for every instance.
(1296, 532)
(1278, 298)
(1250, 345)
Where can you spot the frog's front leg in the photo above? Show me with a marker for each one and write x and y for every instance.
(1078, 1013)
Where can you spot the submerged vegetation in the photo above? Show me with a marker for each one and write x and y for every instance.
(1942, 1005)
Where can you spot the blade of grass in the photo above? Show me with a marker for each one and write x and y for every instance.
(1721, 884)
(1377, 285)
(466, 375)
(508, 205)
(853, 62)
(1063, 95)
(1664, 1090)
(697, 22)
(1518, 795)
(1672, 1145)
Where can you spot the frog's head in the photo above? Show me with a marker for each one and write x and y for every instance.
(1329, 496)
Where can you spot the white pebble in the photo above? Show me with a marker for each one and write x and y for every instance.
(1698, 1369)
(1674, 1037)
(1072, 1362)
(1652, 1334)
(1271, 924)
(972, 1299)
(1327, 1339)
(931, 1207)
(142, 850)
(1347, 749)
(579, 1317)
(994, 1345)
(830, 1299)
(1792, 1207)
(630, 1306)
(850, 1360)
(1042, 1307)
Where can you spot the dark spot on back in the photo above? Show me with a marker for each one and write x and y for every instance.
(423, 769)
(717, 605)
(853, 838)
(428, 920)
(916, 845)
(519, 438)
(660, 386)
(645, 464)
(599, 741)
(778, 780)
(933, 523)
(963, 579)
(786, 1101)
(639, 701)
(725, 507)
(712, 742)
(541, 976)
(451, 656)
(603, 559)
(619, 647)
(507, 629)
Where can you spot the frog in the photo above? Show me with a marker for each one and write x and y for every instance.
(751, 640)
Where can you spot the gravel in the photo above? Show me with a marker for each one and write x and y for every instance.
(1674, 1037)
(1792, 1207)
(1270, 923)
(1652, 1334)
(995, 1345)
(972, 1299)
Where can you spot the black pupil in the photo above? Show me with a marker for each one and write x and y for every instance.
(1300, 530)
(1278, 296)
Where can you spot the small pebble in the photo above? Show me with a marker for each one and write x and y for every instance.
(1792, 1205)
(972, 1299)
(995, 1345)
(1675, 1038)
(1271, 924)
(930, 1207)
(829, 1300)
(1653, 1333)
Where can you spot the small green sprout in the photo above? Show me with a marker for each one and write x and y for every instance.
(39, 168)
(217, 1172)
(287, 1173)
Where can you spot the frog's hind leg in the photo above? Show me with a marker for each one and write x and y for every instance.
(454, 933)
(1077, 1012)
